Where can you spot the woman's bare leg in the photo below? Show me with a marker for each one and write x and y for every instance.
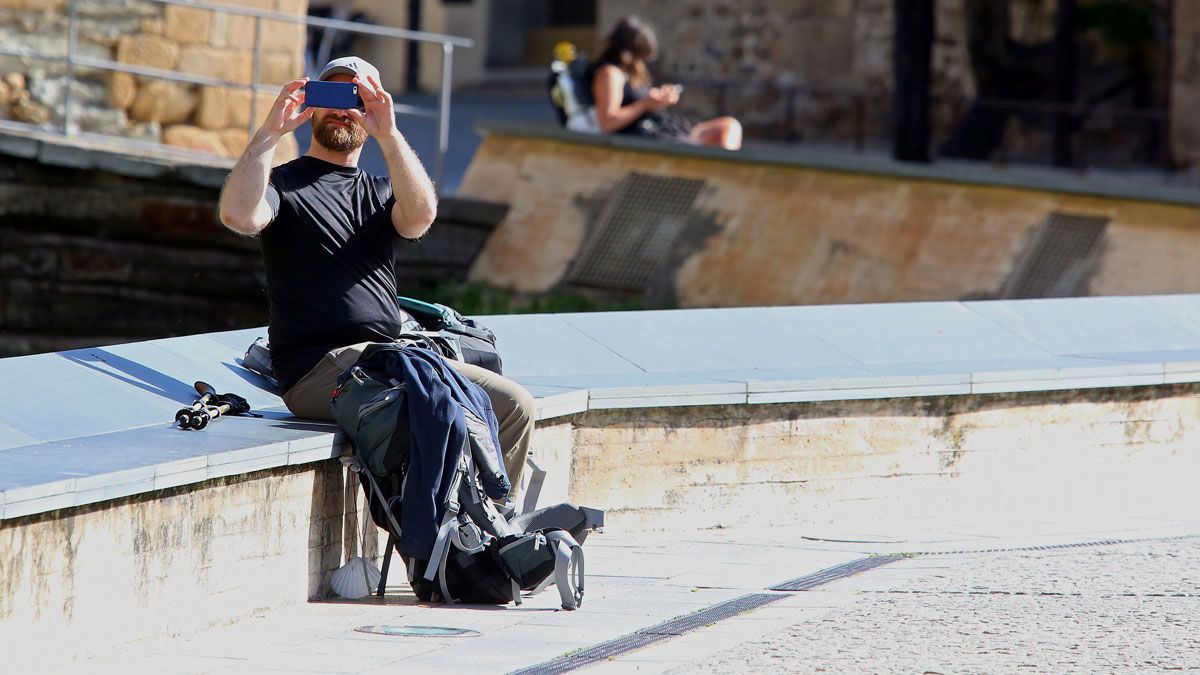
(722, 132)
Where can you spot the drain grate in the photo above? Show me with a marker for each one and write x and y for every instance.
(1062, 255)
(836, 572)
(652, 635)
(1059, 547)
(635, 232)
(686, 624)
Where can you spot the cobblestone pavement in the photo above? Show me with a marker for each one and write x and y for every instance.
(1124, 608)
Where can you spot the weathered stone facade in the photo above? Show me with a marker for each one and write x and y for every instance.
(99, 248)
(832, 59)
(1185, 86)
(145, 33)
(808, 70)
(791, 230)
(721, 466)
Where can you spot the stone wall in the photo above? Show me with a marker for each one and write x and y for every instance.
(838, 55)
(101, 248)
(1185, 88)
(86, 580)
(840, 462)
(89, 257)
(821, 70)
(191, 41)
(787, 234)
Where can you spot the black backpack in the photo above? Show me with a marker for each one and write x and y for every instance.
(484, 553)
(451, 334)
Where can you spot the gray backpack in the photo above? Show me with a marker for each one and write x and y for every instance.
(484, 553)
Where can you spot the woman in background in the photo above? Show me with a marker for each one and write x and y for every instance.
(626, 103)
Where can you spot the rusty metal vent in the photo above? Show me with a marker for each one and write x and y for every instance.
(635, 232)
(1061, 256)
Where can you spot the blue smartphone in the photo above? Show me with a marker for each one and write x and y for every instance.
(337, 95)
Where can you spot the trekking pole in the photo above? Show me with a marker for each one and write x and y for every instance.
(186, 417)
(204, 411)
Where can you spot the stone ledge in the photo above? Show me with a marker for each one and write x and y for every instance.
(57, 450)
(975, 173)
(89, 151)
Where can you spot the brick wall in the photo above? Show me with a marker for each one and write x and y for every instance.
(145, 33)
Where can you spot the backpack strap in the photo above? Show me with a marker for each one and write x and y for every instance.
(537, 479)
(568, 568)
(441, 545)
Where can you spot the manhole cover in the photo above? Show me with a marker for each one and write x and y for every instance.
(418, 631)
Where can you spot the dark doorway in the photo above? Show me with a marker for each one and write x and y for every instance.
(524, 32)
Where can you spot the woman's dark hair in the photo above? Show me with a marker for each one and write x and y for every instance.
(630, 46)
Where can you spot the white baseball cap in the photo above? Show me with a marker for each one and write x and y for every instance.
(350, 65)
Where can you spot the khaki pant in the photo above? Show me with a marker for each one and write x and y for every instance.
(512, 404)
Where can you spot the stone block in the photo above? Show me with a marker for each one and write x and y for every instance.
(280, 67)
(234, 141)
(296, 7)
(193, 138)
(163, 102)
(16, 81)
(33, 5)
(27, 110)
(152, 25)
(152, 51)
(225, 64)
(1185, 135)
(279, 36)
(227, 107)
(232, 30)
(187, 25)
(122, 90)
(101, 120)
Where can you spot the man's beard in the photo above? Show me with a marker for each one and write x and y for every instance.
(339, 138)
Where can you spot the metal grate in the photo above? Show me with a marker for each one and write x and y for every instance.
(689, 623)
(649, 636)
(635, 232)
(834, 573)
(1060, 258)
(1059, 547)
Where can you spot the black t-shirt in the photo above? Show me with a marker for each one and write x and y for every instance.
(330, 255)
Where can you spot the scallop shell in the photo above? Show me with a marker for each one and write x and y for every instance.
(356, 579)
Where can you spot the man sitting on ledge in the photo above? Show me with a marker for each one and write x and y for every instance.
(330, 234)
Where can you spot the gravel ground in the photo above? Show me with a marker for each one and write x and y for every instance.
(1115, 609)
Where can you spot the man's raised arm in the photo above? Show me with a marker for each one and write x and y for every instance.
(244, 206)
(416, 200)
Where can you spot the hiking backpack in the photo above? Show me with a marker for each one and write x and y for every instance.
(451, 334)
(484, 552)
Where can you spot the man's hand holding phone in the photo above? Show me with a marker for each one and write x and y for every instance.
(286, 114)
(333, 95)
(378, 116)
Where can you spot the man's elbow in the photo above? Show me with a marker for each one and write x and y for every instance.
(416, 223)
(241, 225)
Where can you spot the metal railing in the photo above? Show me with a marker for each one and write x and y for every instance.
(72, 59)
